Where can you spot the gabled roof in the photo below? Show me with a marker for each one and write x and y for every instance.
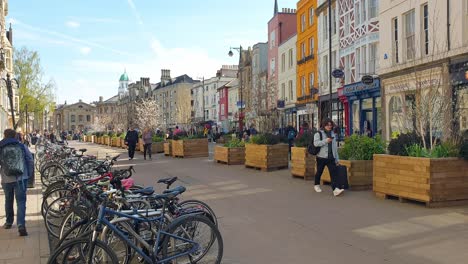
(113, 99)
(179, 79)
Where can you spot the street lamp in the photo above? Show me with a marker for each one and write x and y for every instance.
(241, 116)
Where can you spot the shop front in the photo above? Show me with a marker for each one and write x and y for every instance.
(307, 114)
(459, 76)
(337, 112)
(364, 107)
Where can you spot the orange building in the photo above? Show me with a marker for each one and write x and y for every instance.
(307, 68)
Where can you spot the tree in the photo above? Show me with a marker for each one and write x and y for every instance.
(148, 114)
(33, 92)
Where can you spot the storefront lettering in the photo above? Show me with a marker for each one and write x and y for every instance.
(399, 87)
(359, 87)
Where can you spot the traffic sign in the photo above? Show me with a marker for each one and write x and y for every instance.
(367, 79)
(337, 73)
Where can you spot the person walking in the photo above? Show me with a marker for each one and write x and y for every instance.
(291, 133)
(16, 166)
(327, 156)
(147, 141)
(131, 139)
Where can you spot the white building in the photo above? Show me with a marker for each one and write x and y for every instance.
(424, 49)
(323, 60)
(287, 80)
(233, 98)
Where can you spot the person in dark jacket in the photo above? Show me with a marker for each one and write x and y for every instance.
(16, 186)
(131, 139)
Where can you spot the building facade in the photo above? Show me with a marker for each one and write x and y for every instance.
(424, 56)
(75, 117)
(287, 83)
(260, 94)
(324, 54)
(233, 107)
(307, 60)
(359, 45)
(246, 111)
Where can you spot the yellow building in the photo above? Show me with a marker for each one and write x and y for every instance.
(307, 79)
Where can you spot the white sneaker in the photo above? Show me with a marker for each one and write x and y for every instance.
(337, 191)
(317, 188)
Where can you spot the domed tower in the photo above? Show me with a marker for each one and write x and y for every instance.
(123, 83)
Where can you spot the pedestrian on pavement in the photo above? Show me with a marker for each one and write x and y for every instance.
(327, 156)
(131, 140)
(177, 131)
(16, 166)
(147, 140)
(291, 134)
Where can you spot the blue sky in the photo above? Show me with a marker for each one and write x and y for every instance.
(86, 44)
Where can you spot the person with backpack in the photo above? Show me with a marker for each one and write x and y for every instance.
(291, 132)
(326, 149)
(16, 166)
(131, 139)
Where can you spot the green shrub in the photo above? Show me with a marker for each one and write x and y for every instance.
(416, 150)
(358, 147)
(184, 136)
(157, 138)
(235, 143)
(304, 140)
(265, 139)
(105, 135)
(98, 134)
(399, 145)
(464, 150)
(122, 136)
(444, 150)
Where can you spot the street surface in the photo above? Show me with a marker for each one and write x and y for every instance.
(270, 217)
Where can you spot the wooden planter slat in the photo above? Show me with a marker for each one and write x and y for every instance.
(359, 174)
(229, 156)
(168, 148)
(267, 157)
(157, 147)
(436, 182)
(302, 163)
(191, 148)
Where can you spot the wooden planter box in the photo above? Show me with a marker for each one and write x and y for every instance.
(115, 142)
(122, 143)
(168, 148)
(98, 140)
(267, 157)
(436, 182)
(141, 145)
(190, 148)
(221, 140)
(85, 138)
(157, 147)
(229, 156)
(302, 163)
(359, 174)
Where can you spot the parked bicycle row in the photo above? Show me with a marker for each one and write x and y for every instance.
(98, 215)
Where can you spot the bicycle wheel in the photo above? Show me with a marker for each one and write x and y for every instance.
(50, 197)
(202, 205)
(50, 171)
(82, 229)
(78, 251)
(198, 229)
(55, 214)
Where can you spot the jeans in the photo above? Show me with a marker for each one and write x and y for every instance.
(147, 148)
(131, 150)
(331, 165)
(11, 190)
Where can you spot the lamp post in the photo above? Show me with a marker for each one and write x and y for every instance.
(241, 116)
(330, 55)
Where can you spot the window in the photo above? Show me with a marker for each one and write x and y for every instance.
(324, 27)
(325, 70)
(72, 118)
(311, 46)
(272, 66)
(303, 85)
(358, 62)
(303, 50)
(311, 80)
(395, 40)
(333, 22)
(80, 118)
(283, 62)
(283, 91)
(409, 35)
(311, 16)
(88, 118)
(364, 60)
(303, 22)
(373, 57)
(363, 11)
(347, 70)
(334, 59)
(272, 39)
(373, 8)
(291, 58)
(291, 92)
(425, 22)
(346, 25)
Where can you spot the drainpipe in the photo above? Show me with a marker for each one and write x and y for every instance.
(448, 25)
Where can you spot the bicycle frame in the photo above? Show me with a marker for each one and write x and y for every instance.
(103, 221)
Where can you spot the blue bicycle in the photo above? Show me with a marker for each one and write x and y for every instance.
(146, 236)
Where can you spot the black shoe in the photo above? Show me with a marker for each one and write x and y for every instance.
(7, 226)
(22, 231)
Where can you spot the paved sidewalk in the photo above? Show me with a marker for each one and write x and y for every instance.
(31, 249)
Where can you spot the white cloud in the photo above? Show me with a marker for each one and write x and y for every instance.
(85, 50)
(72, 24)
(135, 11)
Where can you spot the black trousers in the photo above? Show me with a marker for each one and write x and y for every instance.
(147, 148)
(331, 165)
(131, 150)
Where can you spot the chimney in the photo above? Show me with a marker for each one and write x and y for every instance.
(10, 35)
(100, 98)
(80, 101)
(165, 75)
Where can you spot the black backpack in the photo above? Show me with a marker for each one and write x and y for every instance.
(12, 160)
(312, 149)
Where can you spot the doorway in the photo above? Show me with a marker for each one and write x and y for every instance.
(367, 121)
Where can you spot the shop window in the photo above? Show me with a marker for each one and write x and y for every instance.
(395, 109)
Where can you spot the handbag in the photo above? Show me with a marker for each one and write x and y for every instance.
(312, 149)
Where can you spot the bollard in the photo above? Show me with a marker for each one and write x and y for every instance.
(31, 179)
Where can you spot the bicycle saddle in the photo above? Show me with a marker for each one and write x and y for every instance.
(83, 150)
(168, 181)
